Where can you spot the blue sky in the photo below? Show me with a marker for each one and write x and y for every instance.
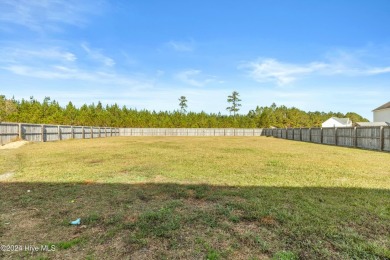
(314, 55)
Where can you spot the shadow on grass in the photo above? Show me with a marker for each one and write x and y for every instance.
(166, 220)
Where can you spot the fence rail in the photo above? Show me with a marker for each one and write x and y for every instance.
(373, 138)
(47, 133)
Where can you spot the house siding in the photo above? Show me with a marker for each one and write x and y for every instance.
(331, 122)
(382, 115)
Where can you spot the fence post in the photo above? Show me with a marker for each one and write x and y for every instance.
(72, 132)
(20, 131)
(82, 133)
(355, 136)
(59, 132)
(91, 132)
(42, 133)
(322, 135)
(300, 134)
(310, 135)
(335, 135)
(382, 139)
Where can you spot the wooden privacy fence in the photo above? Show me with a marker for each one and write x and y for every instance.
(373, 138)
(190, 132)
(47, 133)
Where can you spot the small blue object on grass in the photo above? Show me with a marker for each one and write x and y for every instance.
(75, 222)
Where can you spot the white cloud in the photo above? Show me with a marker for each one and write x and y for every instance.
(47, 15)
(374, 71)
(265, 70)
(283, 73)
(98, 56)
(194, 78)
(66, 73)
(181, 46)
(53, 53)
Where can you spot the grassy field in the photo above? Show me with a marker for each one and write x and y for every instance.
(195, 198)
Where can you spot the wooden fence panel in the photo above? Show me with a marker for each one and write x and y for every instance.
(258, 131)
(386, 139)
(181, 132)
(238, 132)
(316, 135)
(368, 137)
(8, 132)
(32, 132)
(284, 133)
(50, 133)
(77, 132)
(329, 135)
(219, 132)
(229, 132)
(87, 132)
(290, 133)
(95, 132)
(305, 134)
(297, 134)
(279, 133)
(102, 132)
(346, 136)
(66, 132)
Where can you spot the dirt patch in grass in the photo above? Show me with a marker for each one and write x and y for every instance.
(14, 145)
(6, 176)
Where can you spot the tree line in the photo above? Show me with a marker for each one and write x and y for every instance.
(51, 112)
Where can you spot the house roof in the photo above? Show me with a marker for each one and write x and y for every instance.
(372, 123)
(387, 105)
(344, 121)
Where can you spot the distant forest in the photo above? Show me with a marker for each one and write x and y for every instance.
(50, 112)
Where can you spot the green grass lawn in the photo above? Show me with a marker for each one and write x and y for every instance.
(195, 198)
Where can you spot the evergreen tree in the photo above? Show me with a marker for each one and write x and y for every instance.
(50, 112)
(7, 108)
(183, 104)
(233, 99)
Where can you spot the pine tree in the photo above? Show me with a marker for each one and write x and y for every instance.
(183, 104)
(234, 100)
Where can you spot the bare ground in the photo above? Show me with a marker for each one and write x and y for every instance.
(14, 145)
